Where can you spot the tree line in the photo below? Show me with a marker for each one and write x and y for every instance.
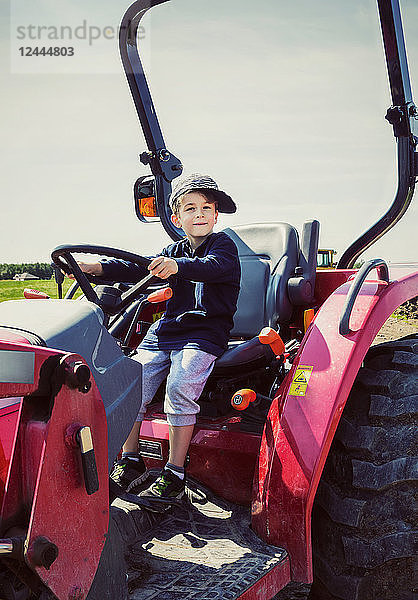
(41, 270)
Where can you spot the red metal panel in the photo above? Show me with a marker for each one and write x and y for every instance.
(221, 457)
(61, 503)
(11, 389)
(327, 282)
(14, 484)
(270, 584)
(46, 475)
(11, 336)
(9, 414)
(295, 443)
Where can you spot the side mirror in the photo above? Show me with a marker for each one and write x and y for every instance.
(145, 201)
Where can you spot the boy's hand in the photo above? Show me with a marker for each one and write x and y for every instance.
(89, 268)
(163, 267)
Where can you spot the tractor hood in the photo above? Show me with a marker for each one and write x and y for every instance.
(77, 326)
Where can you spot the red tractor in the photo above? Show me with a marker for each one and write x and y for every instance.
(301, 466)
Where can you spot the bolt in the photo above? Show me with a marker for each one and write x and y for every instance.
(76, 593)
(146, 157)
(78, 377)
(81, 373)
(164, 155)
(42, 552)
(85, 388)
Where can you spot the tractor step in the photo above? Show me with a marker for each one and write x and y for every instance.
(202, 549)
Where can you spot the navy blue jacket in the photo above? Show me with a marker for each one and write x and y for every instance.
(205, 292)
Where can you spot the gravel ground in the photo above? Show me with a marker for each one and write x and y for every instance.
(395, 328)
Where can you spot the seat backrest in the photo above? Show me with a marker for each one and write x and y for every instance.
(269, 254)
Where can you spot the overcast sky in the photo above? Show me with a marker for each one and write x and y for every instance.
(282, 102)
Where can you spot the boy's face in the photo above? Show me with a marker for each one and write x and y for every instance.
(197, 216)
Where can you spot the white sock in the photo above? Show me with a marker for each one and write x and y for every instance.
(132, 456)
(179, 471)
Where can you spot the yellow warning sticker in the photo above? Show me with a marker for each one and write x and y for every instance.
(300, 381)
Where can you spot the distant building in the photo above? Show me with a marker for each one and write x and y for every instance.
(24, 276)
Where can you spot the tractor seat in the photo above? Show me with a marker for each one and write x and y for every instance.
(269, 255)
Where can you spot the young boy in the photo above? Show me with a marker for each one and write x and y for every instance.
(204, 274)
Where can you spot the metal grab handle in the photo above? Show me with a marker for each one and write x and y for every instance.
(353, 292)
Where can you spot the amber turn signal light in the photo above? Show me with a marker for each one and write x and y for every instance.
(148, 207)
(308, 316)
(269, 336)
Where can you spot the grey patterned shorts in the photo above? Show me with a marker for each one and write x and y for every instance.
(186, 370)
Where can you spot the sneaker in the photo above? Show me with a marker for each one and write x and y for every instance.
(166, 487)
(127, 473)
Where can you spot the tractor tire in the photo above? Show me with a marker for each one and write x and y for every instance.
(364, 517)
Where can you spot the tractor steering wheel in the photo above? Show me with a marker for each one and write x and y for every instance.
(62, 256)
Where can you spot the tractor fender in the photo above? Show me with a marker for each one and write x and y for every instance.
(305, 413)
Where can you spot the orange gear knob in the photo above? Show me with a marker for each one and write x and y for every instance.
(269, 336)
(160, 295)
(241, 399)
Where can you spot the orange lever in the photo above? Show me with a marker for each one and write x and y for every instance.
(34, 294)
(241, 399)
(269, 336)
(160, 295)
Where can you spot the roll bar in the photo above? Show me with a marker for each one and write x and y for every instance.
(164, 165)
(403, 116)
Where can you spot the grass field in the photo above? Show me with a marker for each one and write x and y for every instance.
(13, 290)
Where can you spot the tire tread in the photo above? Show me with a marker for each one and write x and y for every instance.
(363, 521)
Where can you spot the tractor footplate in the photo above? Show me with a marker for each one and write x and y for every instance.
(202, 548)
